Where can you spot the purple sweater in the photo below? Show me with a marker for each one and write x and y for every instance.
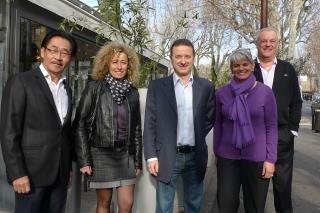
(263, 113)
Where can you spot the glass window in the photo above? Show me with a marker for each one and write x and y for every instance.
(6, 193)
(32, 34)
(3, 43)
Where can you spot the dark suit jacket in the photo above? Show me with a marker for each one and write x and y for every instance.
(160, 127)
(288, 97)
(34, 142)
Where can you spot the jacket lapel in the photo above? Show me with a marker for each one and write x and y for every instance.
(277, 76)
(44, 87)
(196, 93)
(258, 73)
(169, 92)
(69, 93)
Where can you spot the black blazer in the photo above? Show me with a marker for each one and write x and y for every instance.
(34, 142)
(288, 97)
(160, 126)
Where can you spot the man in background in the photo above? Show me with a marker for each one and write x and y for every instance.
(282, 78)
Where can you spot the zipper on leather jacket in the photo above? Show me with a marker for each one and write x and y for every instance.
(129, 122)
(129, 130)
(112, 124)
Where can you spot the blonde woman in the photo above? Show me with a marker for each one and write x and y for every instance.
(107, 127)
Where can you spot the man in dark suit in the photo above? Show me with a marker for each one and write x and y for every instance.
(179, 115)
(282, 78)
(35, 129)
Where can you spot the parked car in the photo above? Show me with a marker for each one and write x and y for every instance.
(315, 104)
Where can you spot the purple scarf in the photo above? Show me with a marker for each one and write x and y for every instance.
(239, 113)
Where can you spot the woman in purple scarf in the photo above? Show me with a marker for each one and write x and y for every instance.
(245, 137)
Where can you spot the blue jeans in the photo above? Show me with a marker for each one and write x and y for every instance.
(185, 166)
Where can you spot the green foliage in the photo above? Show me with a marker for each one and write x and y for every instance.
(149, 69)
(223, 77)
(73, 23)
(138, 34)
(195, 71)
(127, 21)
(299, 64)
(110, 12)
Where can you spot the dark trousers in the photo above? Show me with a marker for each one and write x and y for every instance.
(232, 174)
(48, 199)
(282, 179)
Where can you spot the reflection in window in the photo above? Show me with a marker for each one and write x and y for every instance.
(3, 43)
(32, 34)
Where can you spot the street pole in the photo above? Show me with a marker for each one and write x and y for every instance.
(264, 14)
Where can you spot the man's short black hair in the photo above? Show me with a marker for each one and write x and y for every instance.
(182, 42)
(58, 33)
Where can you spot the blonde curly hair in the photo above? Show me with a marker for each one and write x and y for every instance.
(105, 55)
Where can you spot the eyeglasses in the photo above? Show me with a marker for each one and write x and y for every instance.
(55, 51)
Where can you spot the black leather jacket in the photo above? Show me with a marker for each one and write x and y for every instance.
(105, 123)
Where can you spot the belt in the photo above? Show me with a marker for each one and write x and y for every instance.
(119, 144)
(185, 149)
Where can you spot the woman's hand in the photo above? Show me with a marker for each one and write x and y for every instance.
(86, 169)
(138, 172)
(268, 170)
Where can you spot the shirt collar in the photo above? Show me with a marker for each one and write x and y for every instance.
(275, 61)
(47, 76)
(177, 79)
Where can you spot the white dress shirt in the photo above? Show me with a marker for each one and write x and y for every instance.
(59, 93)
(268, 73)
(185, 127)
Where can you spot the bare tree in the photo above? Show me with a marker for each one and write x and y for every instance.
(290, 17)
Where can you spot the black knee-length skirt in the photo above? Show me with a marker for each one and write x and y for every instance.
(111, 168)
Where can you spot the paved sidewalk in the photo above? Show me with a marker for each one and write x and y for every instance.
(306, 177)
(306, 173)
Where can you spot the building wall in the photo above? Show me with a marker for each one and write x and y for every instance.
(6, 195)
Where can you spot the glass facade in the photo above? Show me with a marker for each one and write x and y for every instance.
(6, 195)
(3, 43)
(32, 34)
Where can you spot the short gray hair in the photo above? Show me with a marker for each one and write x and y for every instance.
(239, 55)
(268, 29)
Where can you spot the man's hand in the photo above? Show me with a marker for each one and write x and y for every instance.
(21, 185)
(86, 169)
(153, 167)
(138, 172)
(268, 170)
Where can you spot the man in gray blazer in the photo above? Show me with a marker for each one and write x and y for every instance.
(179, 115)
(35, 129)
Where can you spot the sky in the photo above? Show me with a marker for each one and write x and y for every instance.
(91, 3)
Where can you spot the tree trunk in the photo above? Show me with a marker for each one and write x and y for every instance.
(296, 7)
